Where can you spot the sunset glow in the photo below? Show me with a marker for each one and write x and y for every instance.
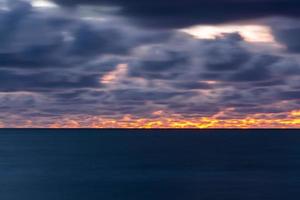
(160, 119)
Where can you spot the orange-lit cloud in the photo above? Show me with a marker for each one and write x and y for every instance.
(113, 76)
(161, 119)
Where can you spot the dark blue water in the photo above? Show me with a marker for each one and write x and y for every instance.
(149, 165)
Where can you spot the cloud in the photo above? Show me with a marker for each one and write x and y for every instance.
(258, 69)
(51, 49)
(55, 64)
(54, 38)
(285, 32)
(290, 95)
(14, 81)
(226, 54)
(178, 13)
(290, 38)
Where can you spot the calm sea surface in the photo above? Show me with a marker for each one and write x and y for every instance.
(149, 165)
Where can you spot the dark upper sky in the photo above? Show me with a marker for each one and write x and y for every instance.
(86, 63)
(181, 13)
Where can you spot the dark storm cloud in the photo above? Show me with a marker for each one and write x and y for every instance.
(259, 69)
(31, 57)
(270, 83)
(168, 66)
(10, 21)
(91, 42)
(289, 37)
(226, 54)
(14, 81)
(54, 39)
(251, 96)
(52, 49)
(145, 95)
(178, 13)
(190, 85)
(290, 95)
(249, 85)
(221, 59)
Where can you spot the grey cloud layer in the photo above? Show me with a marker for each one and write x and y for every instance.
(51, 64)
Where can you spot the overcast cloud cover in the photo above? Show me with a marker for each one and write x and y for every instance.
(127, 57)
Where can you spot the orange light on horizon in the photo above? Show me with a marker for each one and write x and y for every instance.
(162, 119)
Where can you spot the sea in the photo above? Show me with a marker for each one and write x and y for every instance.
(128, 164)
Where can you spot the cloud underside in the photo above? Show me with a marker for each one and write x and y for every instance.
(91, 68)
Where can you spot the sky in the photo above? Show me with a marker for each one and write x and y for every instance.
(150, 63)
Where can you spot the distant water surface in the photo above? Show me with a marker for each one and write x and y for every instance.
(149, 164)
